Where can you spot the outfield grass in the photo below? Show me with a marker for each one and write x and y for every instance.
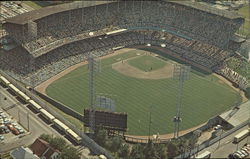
(204, 96)
(147, 63)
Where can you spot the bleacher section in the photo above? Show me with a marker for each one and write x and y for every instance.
(52, 39)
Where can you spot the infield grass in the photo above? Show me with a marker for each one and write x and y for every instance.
(147, 63)
(204, 96)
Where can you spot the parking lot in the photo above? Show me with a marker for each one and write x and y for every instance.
(21, 116)
(10, 129)
(241, 153)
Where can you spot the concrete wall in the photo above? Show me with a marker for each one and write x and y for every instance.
(61, 106)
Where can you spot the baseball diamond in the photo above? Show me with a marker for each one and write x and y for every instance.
(137, 45)
(137, 90)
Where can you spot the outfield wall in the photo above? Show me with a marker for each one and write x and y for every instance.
(61, 106)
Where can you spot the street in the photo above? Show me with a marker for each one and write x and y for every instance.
(223, 148)
(29, 120)
(20, 111)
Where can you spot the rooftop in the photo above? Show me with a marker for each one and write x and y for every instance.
(42, 148)
(237, 116)
(208, 8)
(46, 11)
(23, 153)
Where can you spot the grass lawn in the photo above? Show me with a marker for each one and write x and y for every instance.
(244, 11)
(146, 62)
(32, 4)
(204, 96)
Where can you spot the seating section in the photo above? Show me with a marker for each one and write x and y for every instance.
(61, 28)
(236, 69)
(66, 38)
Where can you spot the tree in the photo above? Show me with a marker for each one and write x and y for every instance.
(101, 136)
(58, 142)
(247, 92)
(116, 143)
(67, 152)
(123, 152)
(176, 145)
(163, 151)
(46, 137)
(150, 150)
(70, 152)
(137, 152)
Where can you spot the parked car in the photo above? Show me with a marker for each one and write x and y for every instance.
(19, 129)
(1, 122)
(242, 155)
(6, 121)
(236, 155)
(13, 129)
(1, 137)
(4, 129)
(7, 130)
(244, 152)
(247, 145)
(217, 127)
(246, 148)
(3, 115)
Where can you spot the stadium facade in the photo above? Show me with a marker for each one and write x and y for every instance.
(51, 39)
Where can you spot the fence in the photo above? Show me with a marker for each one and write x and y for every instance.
(91, 144)
(61, 106)
(136, 140)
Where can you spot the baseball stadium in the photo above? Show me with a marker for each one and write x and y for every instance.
(136, 46)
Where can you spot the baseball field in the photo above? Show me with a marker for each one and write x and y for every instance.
(140, 82)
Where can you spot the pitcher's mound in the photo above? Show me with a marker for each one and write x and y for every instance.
(128, 70)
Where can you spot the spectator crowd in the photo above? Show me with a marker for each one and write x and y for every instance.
(67, 38)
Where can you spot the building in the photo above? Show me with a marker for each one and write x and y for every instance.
(44, 150)
(23, 153)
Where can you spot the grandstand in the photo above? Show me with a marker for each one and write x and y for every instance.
(51, 39)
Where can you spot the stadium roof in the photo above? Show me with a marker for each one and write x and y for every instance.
(46, 11)
(237, 116)
(208, 8)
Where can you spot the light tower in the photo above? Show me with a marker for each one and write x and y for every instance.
(181, 73)
(31, 74)
(94, 68)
